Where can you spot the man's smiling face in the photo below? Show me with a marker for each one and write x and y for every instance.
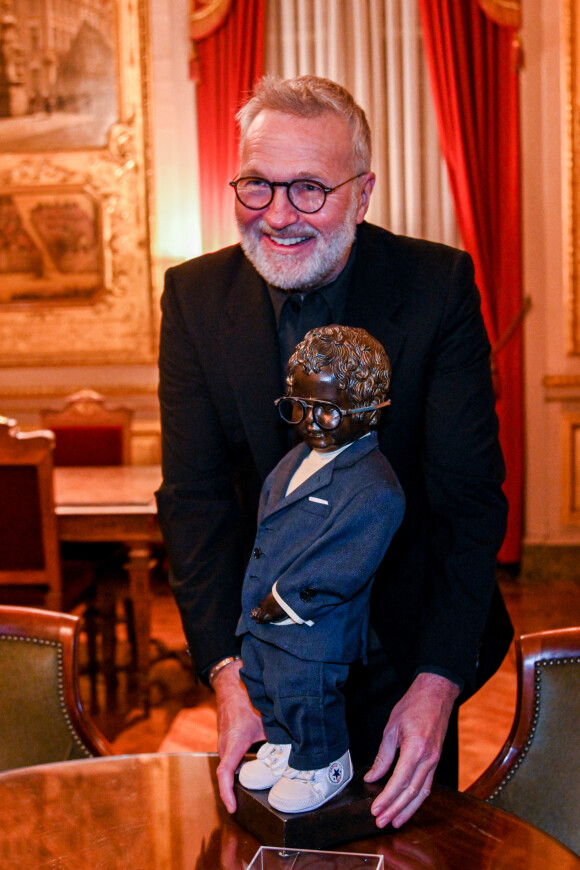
(290, 249)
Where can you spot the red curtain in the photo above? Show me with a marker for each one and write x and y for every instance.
(228, 63)
(472, 63)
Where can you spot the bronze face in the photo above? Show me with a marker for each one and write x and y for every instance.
(324, 387)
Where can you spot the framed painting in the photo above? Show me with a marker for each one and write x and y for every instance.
(52, 249)
(75, 257)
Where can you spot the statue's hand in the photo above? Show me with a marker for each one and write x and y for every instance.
(267, 611)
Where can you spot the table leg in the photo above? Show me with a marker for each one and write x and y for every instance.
(138, 568)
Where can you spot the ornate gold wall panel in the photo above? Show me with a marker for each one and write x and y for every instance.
(571, 475)
(505, 12)
(206, 16)
(75, 259)
(571, 76)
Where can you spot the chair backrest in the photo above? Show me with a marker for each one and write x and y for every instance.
(88, 432)
(536, 775)
(29, 544)
(41, 715)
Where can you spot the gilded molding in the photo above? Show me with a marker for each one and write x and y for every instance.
(206, 16)
(562, 382)
(59, 391)
(507, 13)
(571, 470)
(103, 313)
(571, 161)
(562, 389)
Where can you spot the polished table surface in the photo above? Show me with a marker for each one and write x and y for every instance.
(162, 812)
(116, 491)
(116, 503)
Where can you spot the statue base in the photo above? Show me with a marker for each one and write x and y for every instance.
(345, 817)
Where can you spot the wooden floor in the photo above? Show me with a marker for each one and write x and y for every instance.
(534, 603)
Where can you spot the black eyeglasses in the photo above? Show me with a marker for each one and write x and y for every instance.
(305, 195)
(327, 415)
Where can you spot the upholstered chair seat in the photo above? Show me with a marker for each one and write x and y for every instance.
(41, 716)
(537, 773)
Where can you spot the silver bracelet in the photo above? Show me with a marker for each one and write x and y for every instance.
(220, 665)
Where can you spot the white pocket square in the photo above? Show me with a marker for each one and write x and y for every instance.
(317, 500)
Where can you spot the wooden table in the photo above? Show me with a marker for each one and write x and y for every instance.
(148, 812)
(116, 504)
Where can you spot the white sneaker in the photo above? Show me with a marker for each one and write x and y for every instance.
(300, 790)
(266, 769)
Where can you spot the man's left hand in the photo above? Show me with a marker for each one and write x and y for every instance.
(417, 727)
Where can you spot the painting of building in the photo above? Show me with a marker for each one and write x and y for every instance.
(58, 74)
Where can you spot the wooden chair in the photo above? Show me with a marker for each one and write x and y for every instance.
(29, 544)
(536, 775)
(41, 714)
(91, 433)
(31, 569)
(88, 432)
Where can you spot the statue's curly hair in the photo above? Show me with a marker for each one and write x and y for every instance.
(356, 359)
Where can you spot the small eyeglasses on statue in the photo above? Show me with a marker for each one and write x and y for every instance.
(327, 415)
(304, 194)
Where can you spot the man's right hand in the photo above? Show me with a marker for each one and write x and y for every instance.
(239, 726)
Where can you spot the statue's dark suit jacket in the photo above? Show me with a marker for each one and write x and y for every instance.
(321, 545)
(435, 604)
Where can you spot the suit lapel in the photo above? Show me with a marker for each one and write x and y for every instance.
(250, 341)
(376, 293)
(316, 481)
(323, 477)
(286, 469)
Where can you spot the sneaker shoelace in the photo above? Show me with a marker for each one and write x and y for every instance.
(308, 777)
(305, 775)
(273, 756)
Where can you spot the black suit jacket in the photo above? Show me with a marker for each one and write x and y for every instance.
(435, 604)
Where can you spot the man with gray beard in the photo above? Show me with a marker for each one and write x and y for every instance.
(230, 322)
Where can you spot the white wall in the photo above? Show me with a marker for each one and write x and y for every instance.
(547, 325)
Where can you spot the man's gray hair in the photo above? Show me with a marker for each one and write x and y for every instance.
(309, 97)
